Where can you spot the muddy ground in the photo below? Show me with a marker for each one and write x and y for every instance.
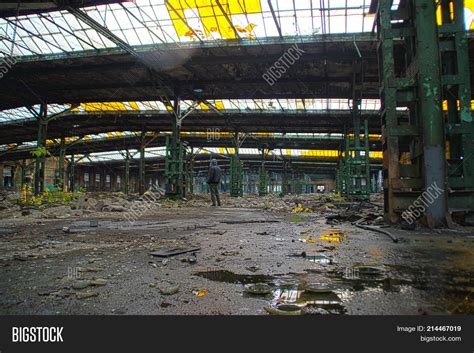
(75, 266)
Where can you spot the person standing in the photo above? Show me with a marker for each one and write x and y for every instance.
(213, 180)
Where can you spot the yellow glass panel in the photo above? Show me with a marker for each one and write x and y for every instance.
(219, 105)
(212, 17)
(134, 105)
(204, 106)
(109, 106)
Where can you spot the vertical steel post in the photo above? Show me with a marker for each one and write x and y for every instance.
(429, 88)
(263, 178)
(62, 155)
(141, 167)
(126, 184)
(40, 143)
(72, 167)
(236, 170)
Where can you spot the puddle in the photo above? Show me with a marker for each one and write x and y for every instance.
(294, 299)
(231, 277)
(302, 297)
(327, 290)
(320, 259)
(286, 294)
(291, 294)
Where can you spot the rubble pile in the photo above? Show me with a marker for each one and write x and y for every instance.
(9, 203)
(334, 207)
(359, 213)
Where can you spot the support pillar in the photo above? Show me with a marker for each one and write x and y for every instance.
(263, 177)
(284, 180)
(432, 66)
(141, 166)
(429, 87)
(126, 177)
(23, 175)
(40, 143)
(174, 159)
(62, 155)
(236, 170)
(190, 171)
(72, 167)
(355, 169)
(457, 92)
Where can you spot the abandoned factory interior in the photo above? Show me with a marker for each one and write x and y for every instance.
(237, 157)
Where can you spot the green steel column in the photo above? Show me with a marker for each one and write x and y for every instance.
(141, 167)
(284, 180)
(126, 181)
(62, 155)
(236, 170)
(263, 178)
(431, 107)
(464, 92)
(457, 91)
(72, 166)
(455, 145)
(190, 171)
(23, 174)
(356, 184)
(40, 158)
(39, 144)
(174, 160)
(367, 158)
(263, 181)
(389, 109)
(346, 179)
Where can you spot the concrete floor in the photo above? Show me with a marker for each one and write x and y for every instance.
(427, 272)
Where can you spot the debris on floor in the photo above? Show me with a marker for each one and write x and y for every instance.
(167, 252)
(199, 292)
(243, 266)
(168, 288)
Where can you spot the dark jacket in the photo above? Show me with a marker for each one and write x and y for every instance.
(214, 176)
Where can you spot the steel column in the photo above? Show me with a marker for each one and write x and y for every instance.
(40, 158)
(126, 179)
(430, 107)
(236, 170)
(141, 167)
